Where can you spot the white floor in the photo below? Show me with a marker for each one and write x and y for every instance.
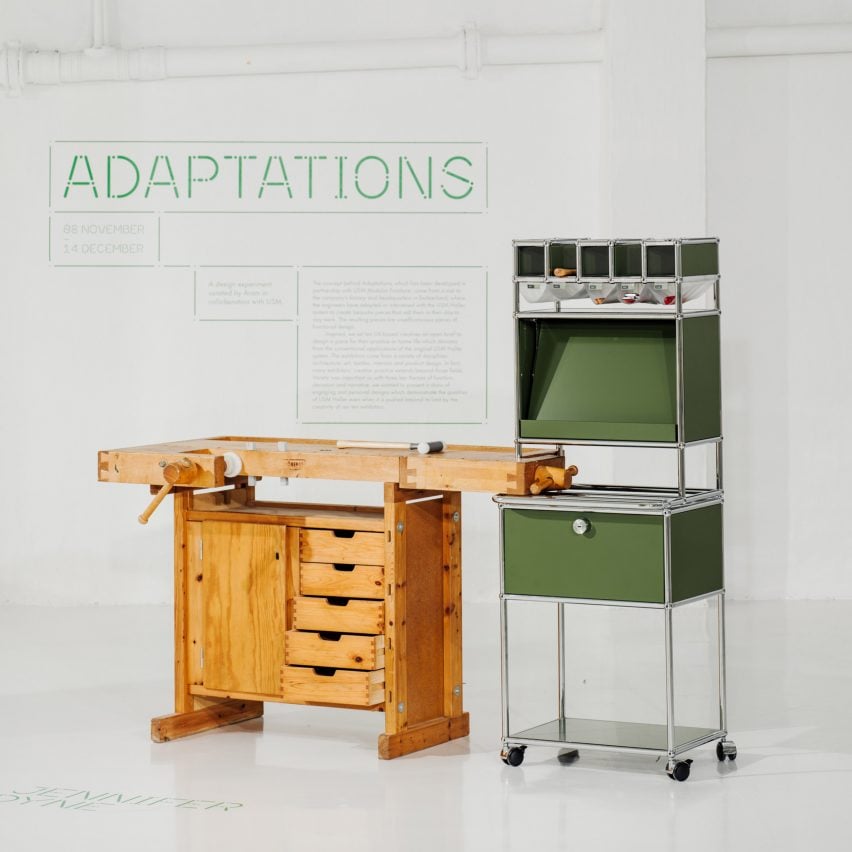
(78, 771)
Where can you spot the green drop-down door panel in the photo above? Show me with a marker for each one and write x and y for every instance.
(621, 557)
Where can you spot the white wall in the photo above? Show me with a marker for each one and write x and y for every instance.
(100, 358)
(778, 187)
(92, 359)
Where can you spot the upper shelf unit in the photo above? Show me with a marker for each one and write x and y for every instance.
(650, 381)
(644, 277)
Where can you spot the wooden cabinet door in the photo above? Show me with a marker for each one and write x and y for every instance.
(243, 606)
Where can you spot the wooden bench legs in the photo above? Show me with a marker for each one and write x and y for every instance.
(215, 715)
(423, 735)
(422, 603)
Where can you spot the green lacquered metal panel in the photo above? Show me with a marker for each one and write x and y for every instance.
(702, 378)
(597, 379)
(696, 552)
(699, 258)
(527, 333)
(621, 558)
(599, 431)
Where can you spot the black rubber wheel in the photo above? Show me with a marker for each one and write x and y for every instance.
(515, 756)
(720, 752)
(568, 755)
(680, 772)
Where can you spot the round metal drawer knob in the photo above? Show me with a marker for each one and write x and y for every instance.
(581, 526)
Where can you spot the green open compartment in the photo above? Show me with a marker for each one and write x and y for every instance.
(529, 260)
(617, 380)
(595, 260)
(627, 259)
(660, 260)
(562, 255)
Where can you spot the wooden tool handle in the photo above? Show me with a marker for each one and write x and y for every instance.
(541, 483)
(547, 477)
(560, 272)
(174, 473)
(158, 498)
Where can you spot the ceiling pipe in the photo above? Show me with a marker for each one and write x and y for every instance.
(792, 40)
(466, 51)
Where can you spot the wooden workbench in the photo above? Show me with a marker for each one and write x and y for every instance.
(344, 606)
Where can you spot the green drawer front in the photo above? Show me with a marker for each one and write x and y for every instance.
(619, 559)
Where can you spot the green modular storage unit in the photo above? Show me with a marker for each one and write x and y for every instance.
(627, 353)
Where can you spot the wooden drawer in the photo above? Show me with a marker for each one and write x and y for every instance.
(345, 546)
(307, 685)
(337, 579)
(335, 650)
(341, 615)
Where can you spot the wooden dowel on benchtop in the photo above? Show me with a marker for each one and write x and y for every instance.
(174, 473)
(556, 478)
(424, 447)
(375, 445)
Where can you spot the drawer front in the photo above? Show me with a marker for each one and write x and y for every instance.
(341, 615)
(361, 548)
(338, 579)
(334, 650)
(309, 685)
(620, 557)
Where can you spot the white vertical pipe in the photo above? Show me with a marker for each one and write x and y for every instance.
(98, 23)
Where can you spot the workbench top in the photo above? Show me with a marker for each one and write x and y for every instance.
(494, 470)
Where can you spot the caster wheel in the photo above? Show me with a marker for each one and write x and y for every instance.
(514, 756)
(726, 749)
(680, 771)
(568, 755)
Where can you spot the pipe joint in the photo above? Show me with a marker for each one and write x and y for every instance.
(11, 68)
(471, 60)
